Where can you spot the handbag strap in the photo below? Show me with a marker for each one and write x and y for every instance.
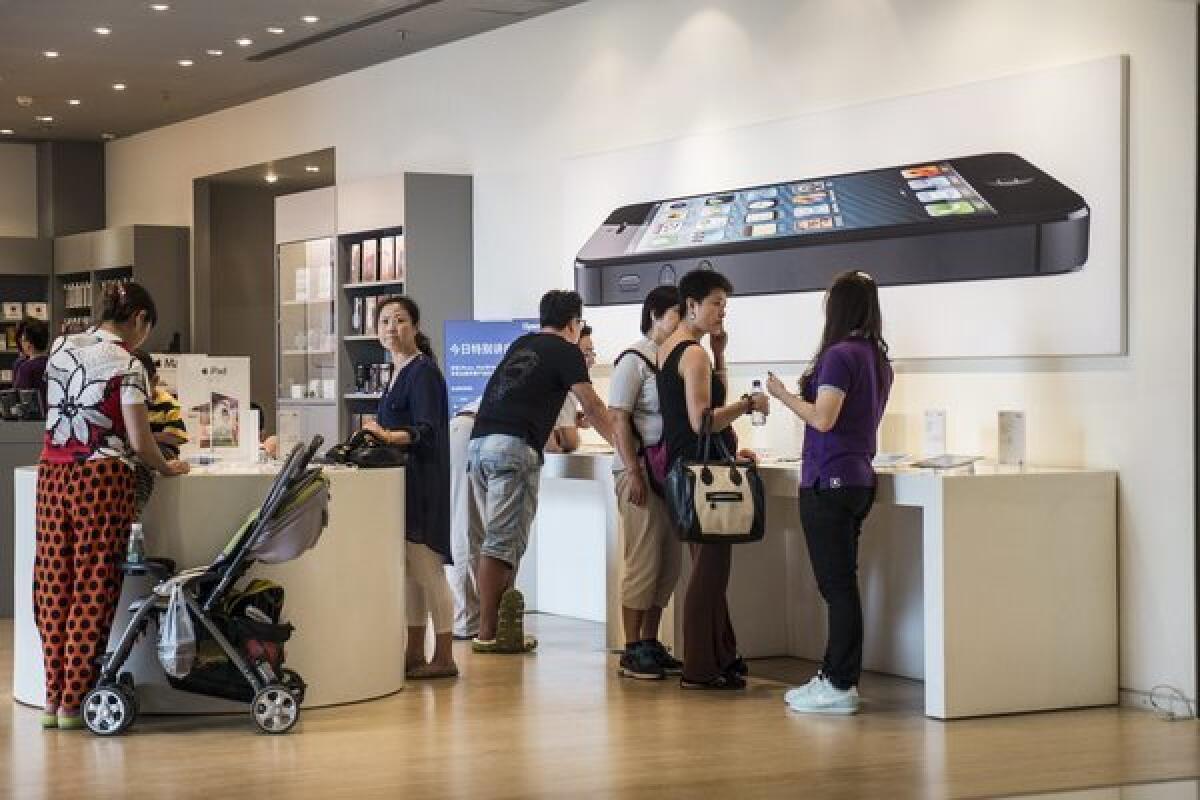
(704, 444)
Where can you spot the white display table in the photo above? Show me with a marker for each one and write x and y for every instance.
(996, 587)
(345, 596)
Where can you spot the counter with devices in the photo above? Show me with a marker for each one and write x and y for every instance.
(997, 587)
(345, 597)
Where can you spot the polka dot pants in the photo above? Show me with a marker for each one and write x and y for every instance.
(84, 512)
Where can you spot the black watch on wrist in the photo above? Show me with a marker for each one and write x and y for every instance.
(749, 400)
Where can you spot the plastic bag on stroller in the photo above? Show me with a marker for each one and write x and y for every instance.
(177, 637)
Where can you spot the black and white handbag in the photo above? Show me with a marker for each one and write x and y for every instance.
(716, 500)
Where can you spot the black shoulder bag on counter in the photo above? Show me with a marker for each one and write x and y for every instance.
(365, 449)
(716, 500)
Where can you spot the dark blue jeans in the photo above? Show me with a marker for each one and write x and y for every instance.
(832, 520)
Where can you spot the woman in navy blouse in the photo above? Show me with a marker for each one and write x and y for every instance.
(413, 412)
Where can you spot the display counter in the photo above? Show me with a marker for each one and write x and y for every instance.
(345, 597)
(20, 444)
(996, 587)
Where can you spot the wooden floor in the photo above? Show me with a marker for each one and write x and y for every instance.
(560, 724)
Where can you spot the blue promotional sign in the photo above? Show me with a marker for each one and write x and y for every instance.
(473, 351)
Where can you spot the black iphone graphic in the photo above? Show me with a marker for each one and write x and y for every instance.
(991, 215)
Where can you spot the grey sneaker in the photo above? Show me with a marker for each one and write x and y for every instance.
(670, 664)
(819, 696)
(641, 661)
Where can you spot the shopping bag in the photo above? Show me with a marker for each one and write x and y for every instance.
(176, 637)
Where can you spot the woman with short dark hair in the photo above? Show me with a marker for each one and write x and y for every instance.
(843, 396)
(691, 391)
(651, 551)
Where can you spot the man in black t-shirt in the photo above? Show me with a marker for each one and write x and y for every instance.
(522, 400)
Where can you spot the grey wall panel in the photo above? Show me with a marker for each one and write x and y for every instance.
(24, 256)
(70, 187)
(160, 263)
(437, 233)
(73, 253)
(113, 247)
(243, 285)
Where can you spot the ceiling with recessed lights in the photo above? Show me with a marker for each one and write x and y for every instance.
(92, 69)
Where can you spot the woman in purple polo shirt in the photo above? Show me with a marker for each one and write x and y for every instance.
(843, 396)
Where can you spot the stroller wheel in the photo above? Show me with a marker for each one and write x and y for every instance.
(125, 680)
(109, 709)
(275, 709)
(295, 684)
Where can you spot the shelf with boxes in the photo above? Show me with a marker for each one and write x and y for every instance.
(307, 320)
(405, 234)
(373, 267)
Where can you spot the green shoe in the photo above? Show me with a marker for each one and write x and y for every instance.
(49, 721)
(70, 722)
(510, 628)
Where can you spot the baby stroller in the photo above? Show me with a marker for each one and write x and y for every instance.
(237, 632)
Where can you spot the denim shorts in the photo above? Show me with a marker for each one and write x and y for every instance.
(504, 481)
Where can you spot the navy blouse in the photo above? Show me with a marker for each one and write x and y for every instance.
(416, 402)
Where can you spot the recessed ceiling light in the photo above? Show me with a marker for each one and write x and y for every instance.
(51, 54)
(159, 7)
(6, 131)
(244, 42)
(108, 137)
(271, 177)
(120, 87)
(103, 30)
(312, 168)
(215, 52)
(73, 102)
(275, 30)
(186, 62)
(44, 119)
(310, 19)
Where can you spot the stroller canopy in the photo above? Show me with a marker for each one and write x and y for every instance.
(294, 528)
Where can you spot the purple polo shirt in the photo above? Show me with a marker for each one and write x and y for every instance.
(842, 456)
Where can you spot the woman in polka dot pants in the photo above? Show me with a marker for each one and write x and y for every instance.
(97, 426)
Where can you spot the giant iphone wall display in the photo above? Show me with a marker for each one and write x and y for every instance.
(992, 215)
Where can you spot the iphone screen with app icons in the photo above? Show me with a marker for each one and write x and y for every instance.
(878, 198)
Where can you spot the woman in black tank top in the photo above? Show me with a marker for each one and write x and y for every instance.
(688, 389)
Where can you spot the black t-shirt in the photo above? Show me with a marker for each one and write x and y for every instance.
(527, 390)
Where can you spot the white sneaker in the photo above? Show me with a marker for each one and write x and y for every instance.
(796, 695)
(824, 699)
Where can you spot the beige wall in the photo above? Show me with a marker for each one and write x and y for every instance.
(512, 105)
(18, 190)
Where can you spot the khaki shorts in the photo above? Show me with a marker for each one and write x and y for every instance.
(651, 550)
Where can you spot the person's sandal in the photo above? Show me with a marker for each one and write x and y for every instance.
(428, 671)
(70, 722)
(723, 682)
(528, 645)
(49, 720)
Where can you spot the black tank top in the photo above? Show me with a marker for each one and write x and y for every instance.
(672, 398)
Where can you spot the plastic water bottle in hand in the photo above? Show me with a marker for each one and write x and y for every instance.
(758, 417)
(136, 553)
